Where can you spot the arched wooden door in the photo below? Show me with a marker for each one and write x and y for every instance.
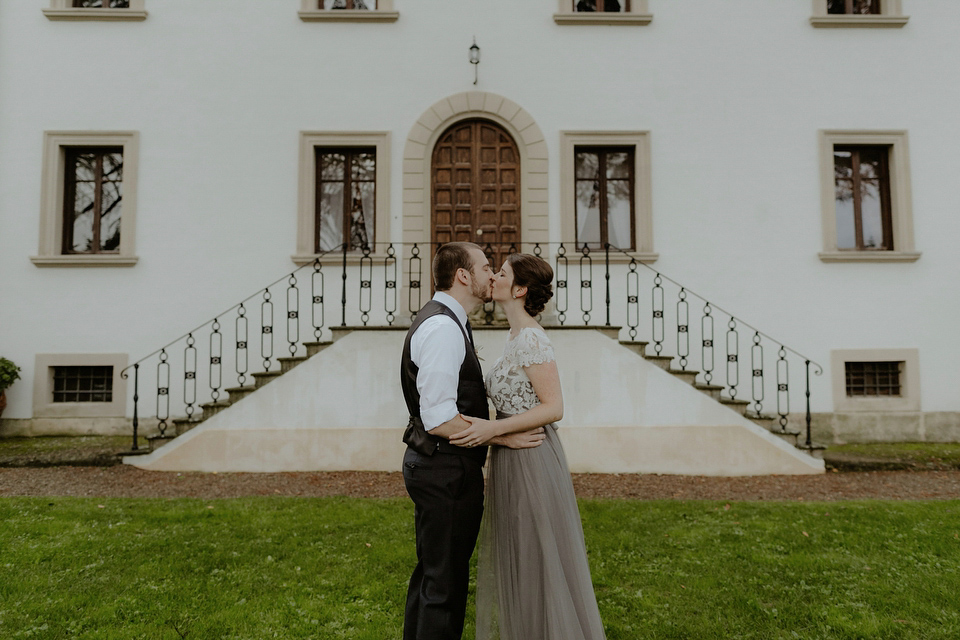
(476, 188)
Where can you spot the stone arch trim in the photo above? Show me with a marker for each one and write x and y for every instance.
(418, 152)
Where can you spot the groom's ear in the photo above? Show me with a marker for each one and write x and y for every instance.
(462, 276)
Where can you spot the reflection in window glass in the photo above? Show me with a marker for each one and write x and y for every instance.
(357, 5)
(604, 196)
(610, 6)
(112, 4)
(346, 198)
(860, 7)
(93, 197)
(862, 198)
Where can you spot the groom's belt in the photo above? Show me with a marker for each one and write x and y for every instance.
(417, 438)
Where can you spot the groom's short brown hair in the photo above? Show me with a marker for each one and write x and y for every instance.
(450, 257)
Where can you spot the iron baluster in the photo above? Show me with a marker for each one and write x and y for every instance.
(136, 397)
(783, 387)
(756, 364)
(683, 328)
(809, 440)
(266, 329)
(416, 267)
(489, 308)
(656, 309)
(242, 363)
(733, 357)
(390, 284)
(190, 375)
(163, 392)
(316, 291)
(512, 249)
(343, 294)
(537, 251)
(293, 314)
(563, 294)
(706, 335)
(606, 261)
(586, 283)
(366, 285)
(633, 299)
(216, 358)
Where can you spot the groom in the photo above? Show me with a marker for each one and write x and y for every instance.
(441, 379)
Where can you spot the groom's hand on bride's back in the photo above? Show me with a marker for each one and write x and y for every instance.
(522, 440)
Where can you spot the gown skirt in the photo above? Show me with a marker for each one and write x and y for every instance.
(533, 580)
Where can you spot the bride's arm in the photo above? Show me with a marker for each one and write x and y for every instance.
(545, 379)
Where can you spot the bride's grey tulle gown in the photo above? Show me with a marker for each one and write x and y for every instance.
(533, 580)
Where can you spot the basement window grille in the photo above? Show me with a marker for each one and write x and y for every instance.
(874, 379)
(83, 384)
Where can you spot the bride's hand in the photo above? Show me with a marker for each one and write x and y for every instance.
(478, 433)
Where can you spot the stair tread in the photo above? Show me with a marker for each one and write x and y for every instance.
(291, 358)
(734, 401)
(216, 403)
(709, 386)
(240, 389)
(264, 374)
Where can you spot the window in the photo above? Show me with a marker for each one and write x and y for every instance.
(346, 197)
(607, 196)
(130, 10)
(866, 205)
(83, 384)
(347, 11)
(88, 201)
(93, 200)
(880, 378)
(604, 187)
(861, 7)
(858, 13)
(79, 385)
(344, 193)
(606, 12)
(875, 380)
(862, 195)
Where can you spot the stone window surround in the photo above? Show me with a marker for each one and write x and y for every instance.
(418, 157)
(643, 200)
(639, 15)
(51, 198)
(307, 195)
(45, 407)
(909, 399)
(309, 12)
(890, 16)
(64, 10)
(901, 204)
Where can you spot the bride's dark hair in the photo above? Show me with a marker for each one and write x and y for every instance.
(536, 275)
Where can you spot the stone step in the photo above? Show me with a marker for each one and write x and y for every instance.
(182, 425)
(788, 436)
(740, 406)
(155, 442)
(661, 361)
(286, 364)
(239, 393)
(213, 408)
(690, 377)
(264, 377)
(814, 449)
(712, 390)
(313, 348)
(340, 332)
(637, 346)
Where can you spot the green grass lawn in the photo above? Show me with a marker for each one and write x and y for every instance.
(337, 567)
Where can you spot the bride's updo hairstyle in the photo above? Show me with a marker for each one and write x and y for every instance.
(536, 275)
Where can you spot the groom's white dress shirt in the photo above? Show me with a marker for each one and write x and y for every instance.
(437, 348)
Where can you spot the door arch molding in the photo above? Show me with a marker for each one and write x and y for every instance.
(423, 137)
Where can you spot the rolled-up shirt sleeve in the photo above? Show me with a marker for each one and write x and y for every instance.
(438, 349)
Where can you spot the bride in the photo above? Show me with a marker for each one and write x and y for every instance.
(533, 580)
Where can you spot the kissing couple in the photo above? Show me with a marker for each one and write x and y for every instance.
(533, 580)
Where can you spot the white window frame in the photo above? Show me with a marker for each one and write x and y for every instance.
(45, 407)
(55, 144)
(64, 10)
(909, 398)
(638, 15)
(890, 17)
(310, 12)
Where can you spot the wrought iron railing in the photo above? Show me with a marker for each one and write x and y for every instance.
(580, 271)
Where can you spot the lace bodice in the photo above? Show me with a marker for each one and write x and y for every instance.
(507, 383)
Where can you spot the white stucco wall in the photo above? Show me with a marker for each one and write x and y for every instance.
(733, 94)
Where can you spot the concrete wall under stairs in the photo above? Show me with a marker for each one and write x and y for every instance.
(343, 409)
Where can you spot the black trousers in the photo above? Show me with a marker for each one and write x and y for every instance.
(447, 493)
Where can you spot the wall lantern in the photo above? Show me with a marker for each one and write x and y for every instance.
(474, 58)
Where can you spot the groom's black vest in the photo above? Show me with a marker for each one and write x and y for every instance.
(471, 394)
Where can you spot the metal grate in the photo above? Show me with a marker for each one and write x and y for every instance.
(83, 384)
(873, 378)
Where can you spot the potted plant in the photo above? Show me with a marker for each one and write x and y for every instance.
(9, 373)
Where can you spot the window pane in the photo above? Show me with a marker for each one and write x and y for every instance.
(364, 166)
(618, 164)
(362, 215)
(86, 166)
(331, 215)
(114, 4)
(588, 165)
(871, 193)
(615, 6)
(618, 214)
(843, 194)
(359, 5)
(113, 166)
(110, 201)
(83, 217)
(588, 211)
(866, 6)
(836, 6)
(331, 166)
